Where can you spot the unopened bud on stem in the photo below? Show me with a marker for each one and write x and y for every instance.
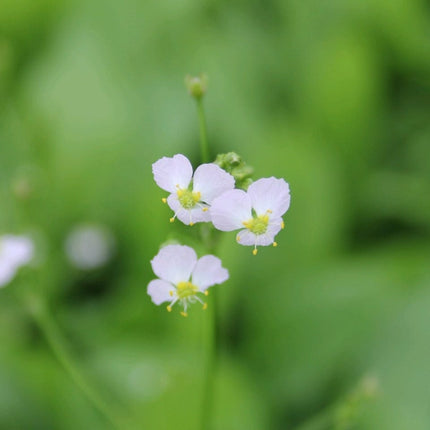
(196, 85)
(233, 164)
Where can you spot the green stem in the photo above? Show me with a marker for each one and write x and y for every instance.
(321, 421)
(211, 366)
(204, 146)
(55, 340)
(212, 352)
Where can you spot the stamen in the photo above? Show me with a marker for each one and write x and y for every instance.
(164, 200)
(198, 299)
(184, 314)
(268, 211)
(173, 217)
(206, 293)
(275, 244)
(254, 251)
(205, 209)
(237, 238)
(282, 225)
(205, 306)
(171, 293)
(192, 223)
(169, 308)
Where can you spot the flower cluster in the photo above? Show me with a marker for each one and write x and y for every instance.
(209, 195)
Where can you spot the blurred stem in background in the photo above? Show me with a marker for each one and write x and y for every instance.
(343, 415)
(197, 88)
(39, 310)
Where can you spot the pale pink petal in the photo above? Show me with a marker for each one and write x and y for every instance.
(174, 263)
(171, 173)
(270, 194)
(160, 291)
(246, 238)
(211, 181)
(208, 272)
(188, 216)
(230, 210)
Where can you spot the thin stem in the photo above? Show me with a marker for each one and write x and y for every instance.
(211, 367)
(55, 340)
(204, 146)
(321, 421)
(212, 353)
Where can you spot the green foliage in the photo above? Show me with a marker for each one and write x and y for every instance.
(331, 95)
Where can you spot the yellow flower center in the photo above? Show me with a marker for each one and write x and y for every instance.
(257, 225)
(186, 289)
(187, 198)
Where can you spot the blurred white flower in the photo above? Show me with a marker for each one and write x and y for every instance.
(182, 276)
(15, 251)
(89, 246)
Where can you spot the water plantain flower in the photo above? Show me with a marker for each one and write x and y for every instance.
(191, 195)
(183, 277)
(258, 211)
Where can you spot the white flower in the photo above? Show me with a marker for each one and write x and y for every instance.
(89, 246)
(183, 276)
(191, 195)
(15, 251)
(259, 210)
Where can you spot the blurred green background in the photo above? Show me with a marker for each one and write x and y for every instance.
(330, 330)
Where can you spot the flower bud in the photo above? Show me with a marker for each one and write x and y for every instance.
(196, 85)
(232, 163)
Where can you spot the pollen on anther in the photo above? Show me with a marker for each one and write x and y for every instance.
(206, 293)
(254, 251)
(205, 306)
(237, 238)
(172, 219)
(282, 225)
(171, 293)
(275, 244)
(191, 224)
(205, 209)
(184, 314)
(164, 200)
(169, 308)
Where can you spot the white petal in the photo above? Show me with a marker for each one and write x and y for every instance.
(246, 237)
(188, 216)
(160, 291)
(270, 194)
(172, 172)
(208, 272)
(17, 250)
(174, 263)
(211, 181)
(230, 210)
